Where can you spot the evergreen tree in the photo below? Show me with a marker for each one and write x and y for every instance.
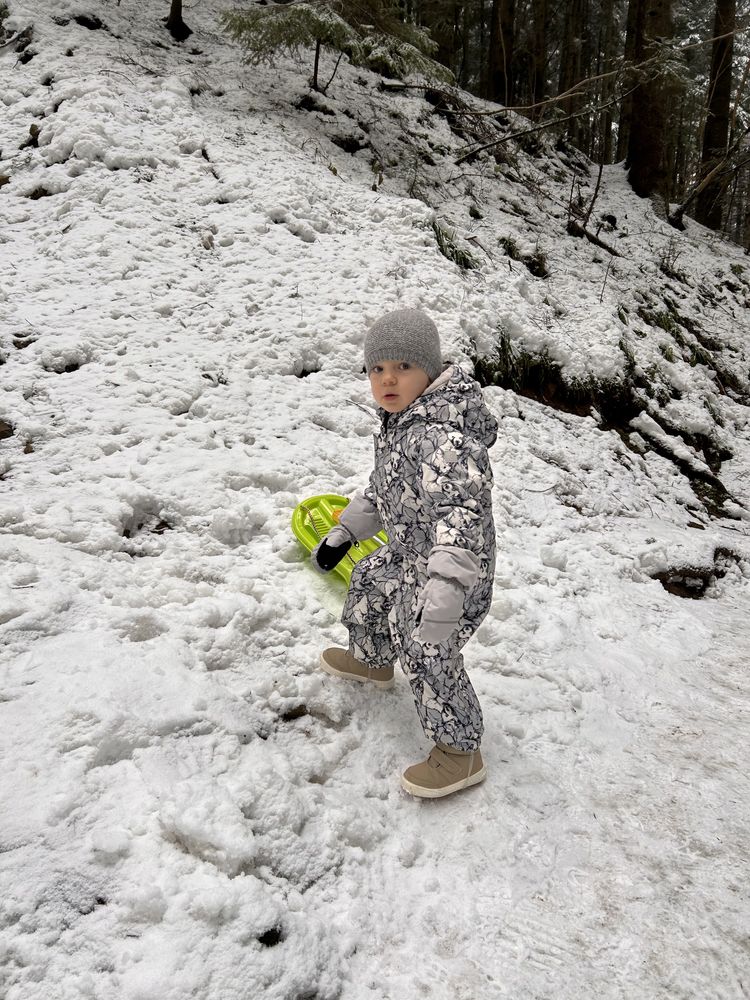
(539, 54)
(440, 18)
(648, 171)
(457, 28)
(708, 207)
(502, 38)
(370, 33)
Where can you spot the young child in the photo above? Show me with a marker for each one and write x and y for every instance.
(421, 597)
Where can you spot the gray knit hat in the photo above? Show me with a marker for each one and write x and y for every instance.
(405, 335)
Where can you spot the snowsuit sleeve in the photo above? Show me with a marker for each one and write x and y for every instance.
(454, 487)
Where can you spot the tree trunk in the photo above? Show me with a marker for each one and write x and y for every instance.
(626, 109)
(501, 51)
(683, 143)
(175, 25)
(607, 56)
(483, 84)
(467, 70)
(647, 147)
(571, 65)
(708, 207)
(539, 55)
(316, 66)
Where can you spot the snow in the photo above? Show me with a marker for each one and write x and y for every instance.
(189, 806)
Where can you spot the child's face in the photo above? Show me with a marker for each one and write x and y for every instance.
(396, 384)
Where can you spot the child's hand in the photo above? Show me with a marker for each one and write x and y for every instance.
(329, 553)
(439, 610)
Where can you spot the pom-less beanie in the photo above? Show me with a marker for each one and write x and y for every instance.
(405, 335)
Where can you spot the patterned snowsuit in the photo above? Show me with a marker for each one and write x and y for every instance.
(430, 491)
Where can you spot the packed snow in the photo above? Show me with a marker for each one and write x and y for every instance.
(189, 806)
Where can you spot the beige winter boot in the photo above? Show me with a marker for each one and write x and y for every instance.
(445, 771)
(340, 663)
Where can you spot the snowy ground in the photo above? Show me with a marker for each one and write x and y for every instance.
(189, 807)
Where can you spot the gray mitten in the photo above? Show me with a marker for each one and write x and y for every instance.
(439, 610)
(451, 574)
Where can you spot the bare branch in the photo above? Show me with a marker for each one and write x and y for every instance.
(622, 68)
(544, 125)
(11, 40)
(594, 196)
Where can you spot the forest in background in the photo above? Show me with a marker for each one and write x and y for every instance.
(659, 84)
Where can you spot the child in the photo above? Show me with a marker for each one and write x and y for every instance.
(421, 597)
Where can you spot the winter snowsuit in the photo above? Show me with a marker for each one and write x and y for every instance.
(430, 491)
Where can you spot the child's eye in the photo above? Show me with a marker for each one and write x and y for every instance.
(405, 366)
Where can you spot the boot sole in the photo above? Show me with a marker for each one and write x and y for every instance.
(438, 793)
(382, 685)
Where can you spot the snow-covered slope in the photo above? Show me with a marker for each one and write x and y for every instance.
(189, 807)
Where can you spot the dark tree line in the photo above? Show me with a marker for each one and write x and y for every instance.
(655, 83)
(658, 84)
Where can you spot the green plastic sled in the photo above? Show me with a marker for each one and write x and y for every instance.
(313, 519)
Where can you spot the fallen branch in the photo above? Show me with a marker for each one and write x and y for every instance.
(10, 41)
(388, 86)
(724, 169)
(553, 123)
(576, 229)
